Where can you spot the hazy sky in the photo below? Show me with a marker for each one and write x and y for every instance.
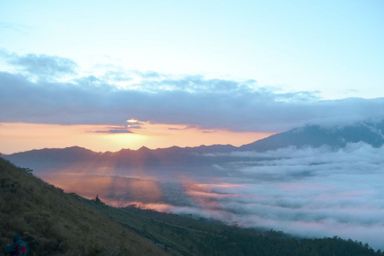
(248, 68)
(334, 47)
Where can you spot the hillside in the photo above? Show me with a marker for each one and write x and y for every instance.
(56, 223)
(189, 236)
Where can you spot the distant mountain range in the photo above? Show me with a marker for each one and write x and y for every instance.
(195, 159)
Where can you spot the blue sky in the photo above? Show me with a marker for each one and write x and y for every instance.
(330, 47)
(227, 69)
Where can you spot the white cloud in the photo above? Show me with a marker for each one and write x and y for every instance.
(40, 66)
(309, 192)
(92, 100)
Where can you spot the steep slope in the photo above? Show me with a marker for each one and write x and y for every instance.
(184, 235)
(56, 223)
(316, 135)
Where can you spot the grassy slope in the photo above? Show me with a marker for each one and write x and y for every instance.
(56, 223)
(65, 224)
(184, 235)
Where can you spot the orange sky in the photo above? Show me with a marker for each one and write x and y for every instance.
(16, 137)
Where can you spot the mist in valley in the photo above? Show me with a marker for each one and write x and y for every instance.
(313, 192)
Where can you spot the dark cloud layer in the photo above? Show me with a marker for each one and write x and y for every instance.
(190, 100)
(114, 130)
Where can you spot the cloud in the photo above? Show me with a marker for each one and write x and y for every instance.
(130, 124)
(114, 130)
(314, 192)
(341, 196)
(190, 100)
(40, 66)
(135, 124)
(311, 192)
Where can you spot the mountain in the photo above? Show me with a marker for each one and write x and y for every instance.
(170, 160)
(370, 132)
(195, 160)
(41, 159)
(57, 223)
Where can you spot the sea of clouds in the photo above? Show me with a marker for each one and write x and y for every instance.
(311, 192)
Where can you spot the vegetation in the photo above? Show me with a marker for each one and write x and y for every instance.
(56, 223)
(185, 235)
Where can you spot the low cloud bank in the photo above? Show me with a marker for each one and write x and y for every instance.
(48, 89)
(319, 192)
(308, 192)
(312, 192)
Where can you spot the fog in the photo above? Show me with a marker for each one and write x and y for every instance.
(311, 192)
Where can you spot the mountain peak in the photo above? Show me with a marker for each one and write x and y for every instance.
(316, 135)
(144, 148)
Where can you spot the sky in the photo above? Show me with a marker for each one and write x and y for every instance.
(107, 75)
(243, 69)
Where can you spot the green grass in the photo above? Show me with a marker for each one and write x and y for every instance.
(56, 223)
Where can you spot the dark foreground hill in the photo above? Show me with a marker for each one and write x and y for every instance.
(56, 223)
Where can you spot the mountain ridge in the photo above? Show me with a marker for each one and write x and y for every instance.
(198, 160)
(370, 132)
